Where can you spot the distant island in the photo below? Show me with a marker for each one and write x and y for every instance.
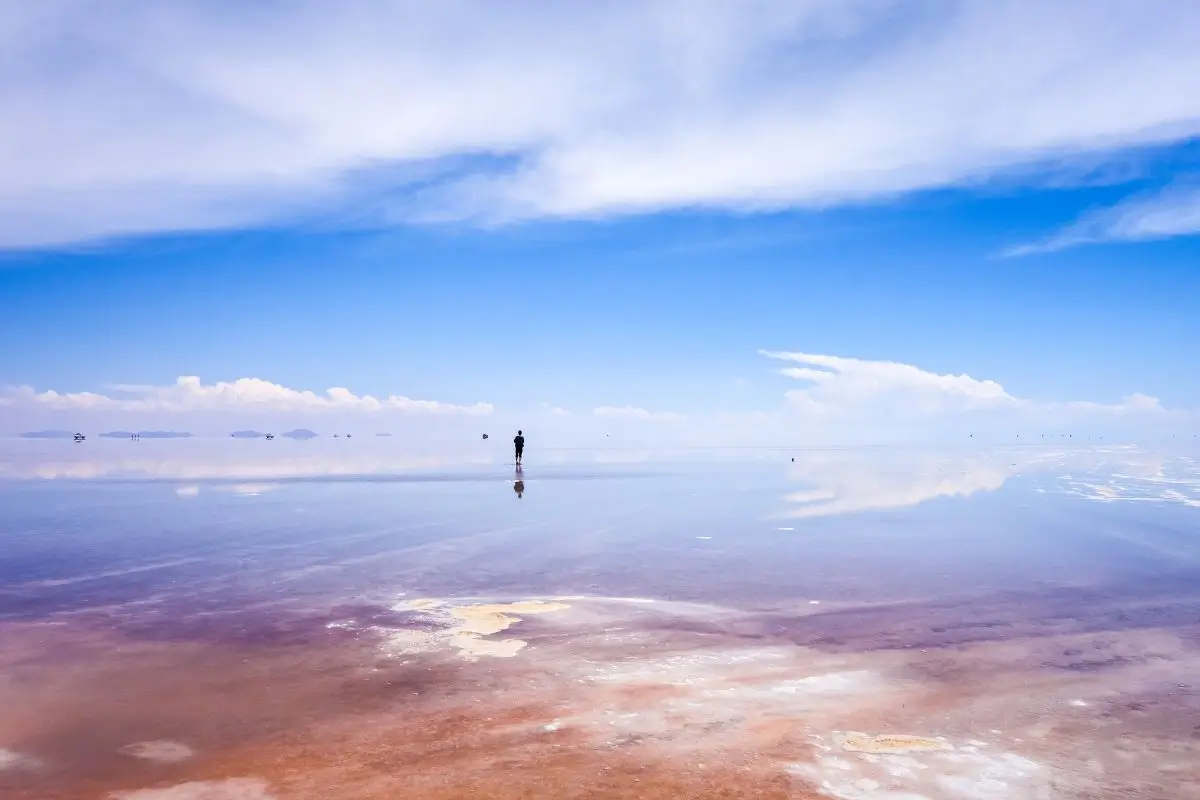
(301, 433)
(146, 435)
(48, 435)
(248, 435)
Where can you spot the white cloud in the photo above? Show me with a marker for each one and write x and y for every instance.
(1133, 404)
(633, 412)
(189, 394)
(1174, 211)
(840, 384)
(839, 400)
(136, 117)
(857, 400)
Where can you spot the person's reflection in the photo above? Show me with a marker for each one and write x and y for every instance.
(519, 482)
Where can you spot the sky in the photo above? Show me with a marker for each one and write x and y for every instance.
(703, 222)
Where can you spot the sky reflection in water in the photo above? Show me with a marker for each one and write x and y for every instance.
(286, 522)
(1036, 607)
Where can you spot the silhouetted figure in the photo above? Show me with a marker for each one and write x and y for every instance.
(519, 447)
(519, 488)
(485, 436)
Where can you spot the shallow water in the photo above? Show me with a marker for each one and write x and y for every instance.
(209, 620)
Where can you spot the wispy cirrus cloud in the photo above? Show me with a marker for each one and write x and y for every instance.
(190, 394)
(136, 118)
(1170, 212)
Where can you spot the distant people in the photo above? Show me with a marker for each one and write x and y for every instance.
(519, 447)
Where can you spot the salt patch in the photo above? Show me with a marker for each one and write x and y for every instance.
(935, 769)
(466, 627)
(251, 489)
(231, 789)
(165, 752)
(829, 683)
(899, 743)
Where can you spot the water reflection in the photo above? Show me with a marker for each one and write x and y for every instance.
(842, 481)
(846, 481)
(819, 482)
(224, 461)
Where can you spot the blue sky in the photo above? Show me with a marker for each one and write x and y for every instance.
(399, 217)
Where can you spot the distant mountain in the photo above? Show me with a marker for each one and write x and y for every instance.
(47, 434)
(248, 435)
(383, 434)
(301, 433)
(147, 434)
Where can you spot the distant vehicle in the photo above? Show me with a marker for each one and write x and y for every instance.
(79, 437)
(270, 436)
(485, 436)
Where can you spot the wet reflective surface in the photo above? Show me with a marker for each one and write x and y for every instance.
(202, 620)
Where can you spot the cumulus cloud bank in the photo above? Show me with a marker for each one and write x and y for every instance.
(840, 385)
(189, 394)
(839, 400)
(128, 118)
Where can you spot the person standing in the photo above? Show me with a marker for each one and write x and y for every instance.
(519, 446)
